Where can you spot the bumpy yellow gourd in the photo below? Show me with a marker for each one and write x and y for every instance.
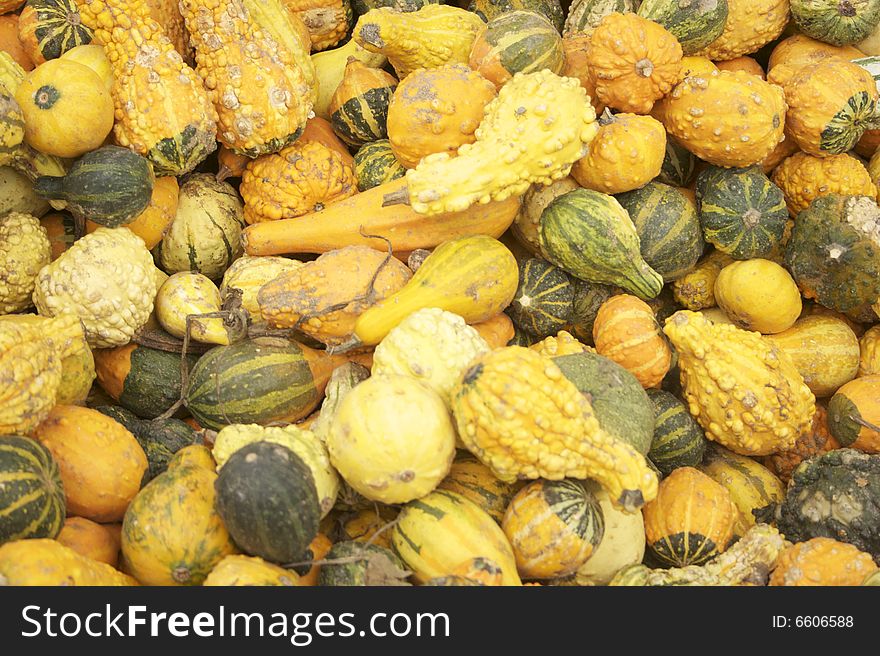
(45, 562)
(432, 36)
(562, 343)
(24, 250)
(236, 570)
(532, 132)
(803, 178)
(519, 415)
(696, 290)
(750, 25)
(186, 293)
(742, 389)
(759, 295)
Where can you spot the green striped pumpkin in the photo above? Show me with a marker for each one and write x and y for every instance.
(522, 338)
(670, 238)
(489, 9)
(359, 107)
(679, 164)
(32, 502)
(585, 15)
(678, 440)
(838, 22)
(695, 23)
(255, 381)
(741, 211)
(375, 164)
(49, 28)
(543, 300)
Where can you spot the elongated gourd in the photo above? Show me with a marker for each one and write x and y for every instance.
(45, 562)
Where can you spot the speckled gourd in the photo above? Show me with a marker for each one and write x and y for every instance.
(24, 250)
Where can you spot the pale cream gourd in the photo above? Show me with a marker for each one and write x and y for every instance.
(186, 293)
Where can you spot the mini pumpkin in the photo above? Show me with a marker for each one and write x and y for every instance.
(804, 177)
(822, 561)
(854, 414)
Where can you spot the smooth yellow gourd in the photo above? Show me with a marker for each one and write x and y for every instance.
(758, 295)
(189, 293)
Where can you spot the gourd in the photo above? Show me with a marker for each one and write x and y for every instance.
(758, 295)
(261, 96)
(487, 425)
(205, 233)
(152, 224)
(822, 561)
(562, 343)
(356, 564)
(679, 164)
(195, 455)
(695, 27)
(436, 110)
(12, 127)
(741, 212)
(835, 23)
(17, 194)
(371, 525)
(24, 250)
(576, 50)
(698, 114)
(744, 63)
(549, 9)
(442, 530)
(359, 107)
(429, 37)
(148, 72)
(172, 534)
(32, 502)
(750, 25)
(869, 352)
(318, 550)
(589, 235)
(430, 345)
(526, 226)
(107, 279)
(541, 107)
(10, 43)
(543, 300)
(678, 440)
(167, 14)
(304, 177)
(248, 274)
(853, 414)
(633, 62)
(813, 442)
(49, 28)
(585, 15)
(90, 539)
(696, 289)
(626, 332)
(375, 164)
(803, 178)
(825, 351)
(554, 527)
(66, 108)
(626, 153)
(745, 393)
(238, 570)
(483, 283)
(110, 186)
(185, 294)
(330, 67)
(834, 252)
(328, 22)
(670, 238)
(45, 562)
(516, 41)
(801, 50)
(588, 298)
(691, 520)
(101, 463)
(392, 439)
(474, 481)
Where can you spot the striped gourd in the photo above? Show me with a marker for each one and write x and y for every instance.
(584, 15)
(543, 301)
(553, 527)
(359, 107)
(742, 212)
(375, 164)
(32, 503)
(694, 24)
(49, 28)
(679, 164)
(439, 532)
(670, 238)
(678, 440)
(489, 9)
(475, 481)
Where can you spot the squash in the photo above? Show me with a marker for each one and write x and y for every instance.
(304, 177)
(626, 153)
(516, 41)
(576, 51)
(440, 531)
(359, 107)
(179, 302)
(17, 194)
(744, 392)
(172, 534)
(853, 414)
(626, 332)
(49, 28)
(330, 68)
(741, 212)
(758, 295)
(801, 50)
(543, 300)
(32, 501)
(101, 463)
(12, 127)
(527, 224)
(803, 178)
(167, 14)
(375, 164)
(691, 520)
(633, 62)
(743, 63)
(92, 540)
(66, 108)
(554, 527)
(352, 563)
(589, 235)
(678, 440)
(835, 23)
(61, 229)
(562, 343)
(473, 480)
(588, 298)
(436, 110)
(248, 274)
(825, 351)
(429, 37)
(869, 352)
(371, 525)
(205, 233)
(24, 250)
(319, 548)
(236, 570)
(343, 379)
(679, 164)
(816, 441)
(750, 25)
(489, 9)
(45, 562)
(195, 455)
(10, 44)
(695, 25)
(670, 239)
(822, 561)
(328, 22)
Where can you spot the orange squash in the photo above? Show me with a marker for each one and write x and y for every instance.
(813, 442)
(822, 561)
(743, 63)
(152, 224)
(320, 130)
(497, 331)
(230, 163)
(800, 50)
(90, 539)
(10, 44)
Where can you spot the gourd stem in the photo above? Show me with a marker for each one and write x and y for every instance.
(865, 424)
(399, 197)
(50, 186)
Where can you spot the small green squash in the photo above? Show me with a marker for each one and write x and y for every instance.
(49, 28)
(695, 23)
(489, 9)
(584, 15)
(543, 300)
(32, 502)
(375, 164)
(359, 564)
(838, 22)
(678, 439)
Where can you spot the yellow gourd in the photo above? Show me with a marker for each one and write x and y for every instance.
(238, 570)
(46, 562)
(803, 178)
(750, 24)
(330, 68)
(869, 347)
(189, 293)
(24, 250)
(759, 295)
(93, 56)
(248, 274)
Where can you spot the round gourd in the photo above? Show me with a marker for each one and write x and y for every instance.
(375, 164)
(670, 239)
(869, 352)
(93, 56)
(359, 107)
(747, 64)
(475, 481)
(152, 224)
(838, 22)
(100, 542)
(758, 295)
(267, 499)
(489, 9)
(180, 303)
(49, 28)
(694, 24)
(554, 527)
(741, 212)
(392, 439)
(361, 565)
(678, 440)
(32, 501)
(238, 570)
(513, 42)
(800, 50)
(854, 414)
(803, 178)
(543, 300)
(67, 108)
(822, 561)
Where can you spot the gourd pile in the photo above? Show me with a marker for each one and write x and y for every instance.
(390, 292)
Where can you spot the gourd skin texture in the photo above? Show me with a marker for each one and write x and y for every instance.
(837, 23)
(758, 295)
(475, 481)
(327, 22)
(750, 25)
(803, 178)
(432, 36)
(90, 539)
(813, 442)
(24, 250)
(869, 352)
(45, 562)
(179, 131)
(330, 68)
(822, 561)
(519, 415)
(553, 121)
(261, 97)
(238, 570)
(107, 279)
(745, 393)
(248, 274)
(562, 343)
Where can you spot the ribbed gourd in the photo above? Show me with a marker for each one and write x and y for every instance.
(489, 9)
(32, 503)
(836, 23)
(179, 131)
(359, 107)
(543, 300)
(694, 24)
(376, 164)
(475, 481)
(678, 440)
(745, 392)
